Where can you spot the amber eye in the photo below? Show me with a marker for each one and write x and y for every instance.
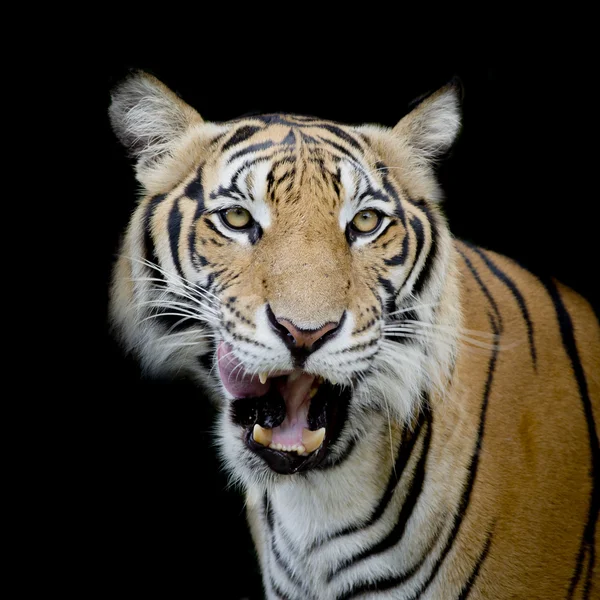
(366, 221)
(237, 217)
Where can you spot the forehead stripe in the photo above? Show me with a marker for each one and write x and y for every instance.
(290, 139)
(249, 149)
(342, 134)
(240, 135)
(339, 148)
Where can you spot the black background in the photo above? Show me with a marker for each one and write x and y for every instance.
(520, 180)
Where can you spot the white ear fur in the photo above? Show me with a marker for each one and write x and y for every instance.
(148, 118)
(433, 125)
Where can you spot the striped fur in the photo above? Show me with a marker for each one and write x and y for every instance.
(468, 464)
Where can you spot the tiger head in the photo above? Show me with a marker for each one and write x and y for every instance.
(290, 265)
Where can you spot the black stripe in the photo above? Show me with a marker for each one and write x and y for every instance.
(390, 303)
(277, 119)
(389, 583)
(195, 191)
(475, 573)
(278, 591)
(400, 257)
(249, 149)
(395, 535)
(293, 578)
(216, 140)
(568, 340)
(268, 511)
(417, 227)
(174, 229)
(290, 139)
(407, 443)
(149, 248)
(391, 191)
(425, 274)
(405, 576)
(515, 292)
(240, 135)
(466, 496)
(214, 228)
(332, 461)
(338, 147)
(279, 559)
(484, 289)
(307, 139)
(341, 134)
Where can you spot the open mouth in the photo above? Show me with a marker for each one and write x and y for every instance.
(290, 418)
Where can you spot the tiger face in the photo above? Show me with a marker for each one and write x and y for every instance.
(281, 261)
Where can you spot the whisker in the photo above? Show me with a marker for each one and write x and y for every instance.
(180, 293)
(172, 303)
(173, 314)
(430, 335)
(391, 349)
(202, 333)
(486, 334)
(216, 362)
(411, 308)
(169, 276)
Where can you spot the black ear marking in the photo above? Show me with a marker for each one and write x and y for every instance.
(455, 83)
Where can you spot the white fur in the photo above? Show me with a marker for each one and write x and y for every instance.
(432, 127)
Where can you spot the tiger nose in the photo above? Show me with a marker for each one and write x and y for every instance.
(296, 338)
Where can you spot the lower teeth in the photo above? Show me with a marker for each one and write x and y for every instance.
(311, 440)
(299, 449)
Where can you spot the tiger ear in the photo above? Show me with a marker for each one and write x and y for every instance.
(149, 119)
(432, 126)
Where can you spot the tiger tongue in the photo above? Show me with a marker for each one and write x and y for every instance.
(295, 392)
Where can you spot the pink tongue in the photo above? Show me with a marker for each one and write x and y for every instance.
(236, 381)
(297, 403)
(241, 384)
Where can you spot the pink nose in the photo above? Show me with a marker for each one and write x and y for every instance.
(305, 338)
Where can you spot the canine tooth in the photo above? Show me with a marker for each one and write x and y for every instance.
(262, 436)
(262, 377)
(313, 392)
(320, 379)
(312, 439)
(301, 450)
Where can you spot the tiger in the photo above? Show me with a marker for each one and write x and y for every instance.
(409, 415)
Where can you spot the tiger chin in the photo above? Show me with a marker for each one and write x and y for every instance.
(410, 416)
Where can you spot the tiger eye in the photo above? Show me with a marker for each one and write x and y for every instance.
(237, 217)
(366, 221)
